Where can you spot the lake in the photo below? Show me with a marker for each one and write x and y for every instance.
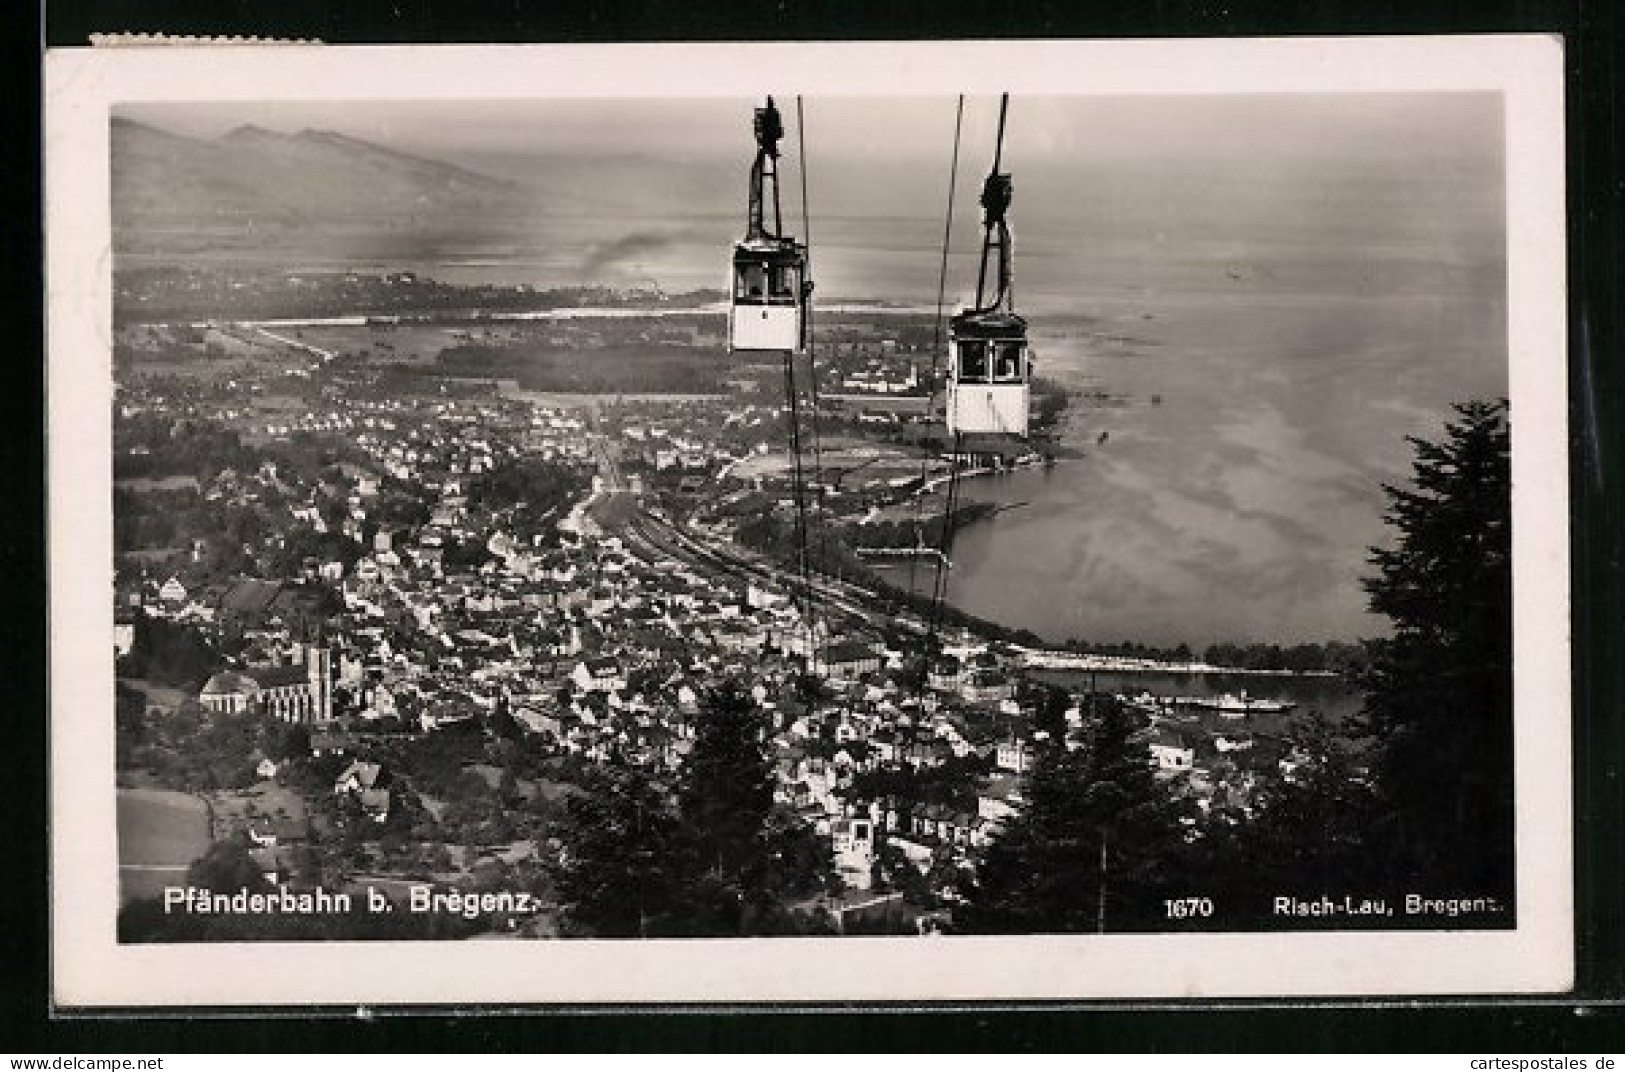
(1234, 442)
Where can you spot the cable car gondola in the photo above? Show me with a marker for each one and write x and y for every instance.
(990, 382)
(769, 284)
(990, 369)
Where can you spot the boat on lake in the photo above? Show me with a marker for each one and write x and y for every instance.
(1233, 705)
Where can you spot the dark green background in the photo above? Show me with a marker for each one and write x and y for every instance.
(1590, 1020)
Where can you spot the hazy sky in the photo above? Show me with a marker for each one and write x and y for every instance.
(1423, 172)
(1119, 181)
(1407, 130)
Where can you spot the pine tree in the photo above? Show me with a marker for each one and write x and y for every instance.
(1439, 689)
(748, 856)
(1312, 817)
(619, 873)
(1305, 830)
(725, 797)
(726, 789)
(227, 867)
(1090, 850)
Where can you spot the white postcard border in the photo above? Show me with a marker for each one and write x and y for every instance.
(91, 969)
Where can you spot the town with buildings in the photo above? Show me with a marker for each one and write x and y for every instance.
(425, 602)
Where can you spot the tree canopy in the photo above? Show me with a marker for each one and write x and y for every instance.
(1439, 688)
(1300, 830)
(715, 856)
(750, 856)
(620, 872)
(1089, 850)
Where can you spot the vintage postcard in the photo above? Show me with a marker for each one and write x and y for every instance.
(954, 522)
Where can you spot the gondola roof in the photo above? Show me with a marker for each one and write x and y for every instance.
(784, 250)
(997, 324)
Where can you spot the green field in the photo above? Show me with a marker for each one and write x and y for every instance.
(265, 799)
(410, 343)
(160, 833)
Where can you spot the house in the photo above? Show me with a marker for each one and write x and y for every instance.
(738, 639)
(916, 853)
(926, 752)
(123, 635)
(763, 598)
(850, 660)
(246, 603)
(453, 711)
(598, 675)
(1014, 754)
(380, 702)
(366, 783)
(853, 842)
(987, 687)
(271, 832)
(943, 674)
(545, 723)
(999, 799)
(229, 693)
(331, 742)
(1171, 750)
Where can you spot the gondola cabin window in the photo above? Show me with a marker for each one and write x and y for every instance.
(783, 283)
(768, 300)
(752, 282)
(988, 391)
(973, 361)
(764, 283)
(1009, 362)
(991, 362)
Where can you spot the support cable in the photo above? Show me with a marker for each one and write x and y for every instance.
(807, 327)
(768, 130)
(936, 337)
(939, 584)
(798, 483)
(995, 200)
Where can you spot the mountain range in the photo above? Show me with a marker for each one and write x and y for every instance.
(316, 197)
(314, 180)
(310, 178)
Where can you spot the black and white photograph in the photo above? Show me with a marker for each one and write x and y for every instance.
(909, 522)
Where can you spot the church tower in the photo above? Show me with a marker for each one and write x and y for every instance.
(319, 665)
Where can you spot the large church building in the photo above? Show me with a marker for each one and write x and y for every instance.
(292, 693)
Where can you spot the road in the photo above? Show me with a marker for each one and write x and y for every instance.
(316, 351)
(609, 467)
